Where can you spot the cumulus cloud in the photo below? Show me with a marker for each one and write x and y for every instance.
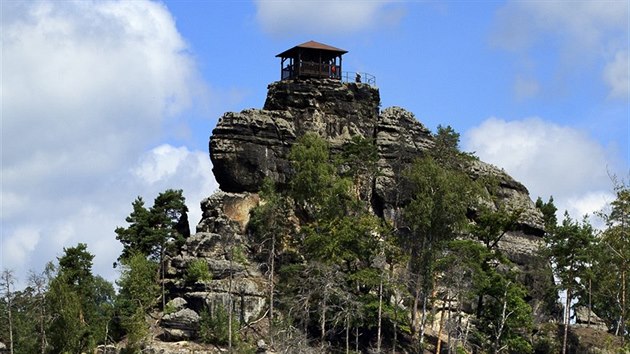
(582, 32)
(286, 17)
(87, 87)
(550, 159)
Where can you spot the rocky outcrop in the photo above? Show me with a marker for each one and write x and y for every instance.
(248, 146)
(584, 319)
(251, 145)
(399, 138)
(234, 280)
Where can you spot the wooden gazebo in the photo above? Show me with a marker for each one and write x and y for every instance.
(311, 60)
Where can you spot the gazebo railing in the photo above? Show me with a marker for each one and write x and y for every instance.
(358, 77)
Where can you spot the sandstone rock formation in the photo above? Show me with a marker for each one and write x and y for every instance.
(248, 146)
(234, 279)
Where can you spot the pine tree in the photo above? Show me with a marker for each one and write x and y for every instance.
(151, 231)
(80, 303)
(569, 248)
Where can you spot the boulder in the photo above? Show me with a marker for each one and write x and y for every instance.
(181, 325)
(582, 319)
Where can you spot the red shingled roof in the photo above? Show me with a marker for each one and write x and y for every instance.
(312, 45)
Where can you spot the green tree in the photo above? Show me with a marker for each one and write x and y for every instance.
(79, 302)
(611, 269)
(138, 293)
(313, 176)
(548, 210)
(569, 247)
(506, 319)
(435, 216)
(152, 231)
(360, 157)
(270, 228)
(490, 226)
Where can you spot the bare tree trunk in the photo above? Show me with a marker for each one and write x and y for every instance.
(425, 299)
(567, 310)
(347, 331)
(42, 329)
(380, 313)
(7, 282)
(395, 340)
(439, 335)
(623, 303)
(448, 320)
(230, 306)
(272, 257)
(415, 327)
(162, 271)
(590, 287)
(466, 333)
(356, 339)
(504, 316)
(322, 323)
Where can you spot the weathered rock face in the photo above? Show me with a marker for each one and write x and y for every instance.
(234, 280)
(584, 319)
(248, 146)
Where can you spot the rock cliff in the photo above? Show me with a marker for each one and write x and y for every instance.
(248, 146)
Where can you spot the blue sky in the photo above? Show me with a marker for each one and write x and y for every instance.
(104, 101)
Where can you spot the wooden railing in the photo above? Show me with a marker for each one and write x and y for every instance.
(314, 69)
(311, 69)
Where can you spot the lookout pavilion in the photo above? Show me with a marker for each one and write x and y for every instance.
(311, 60)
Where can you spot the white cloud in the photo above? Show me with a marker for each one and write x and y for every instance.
(551, 160)
(287, 17)
(17, 246)
(583, 33)
(87, 86)
(161, 163)
(617, 75)
(167, 167)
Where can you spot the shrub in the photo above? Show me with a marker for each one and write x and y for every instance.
(197, 270)
(214, 327)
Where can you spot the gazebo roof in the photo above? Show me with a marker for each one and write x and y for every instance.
(312, 45)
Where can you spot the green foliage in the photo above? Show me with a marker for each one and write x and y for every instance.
(149, 230)
(269, 224)
(80, 303)
(313, 172)
(549, 213)
(446, 150)
(213, 327)
(570, 249)
(505, 320)
(197, 270)
(138, 294)
(435, 215)
(136, 328)
(611, 265)
(490, 226)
